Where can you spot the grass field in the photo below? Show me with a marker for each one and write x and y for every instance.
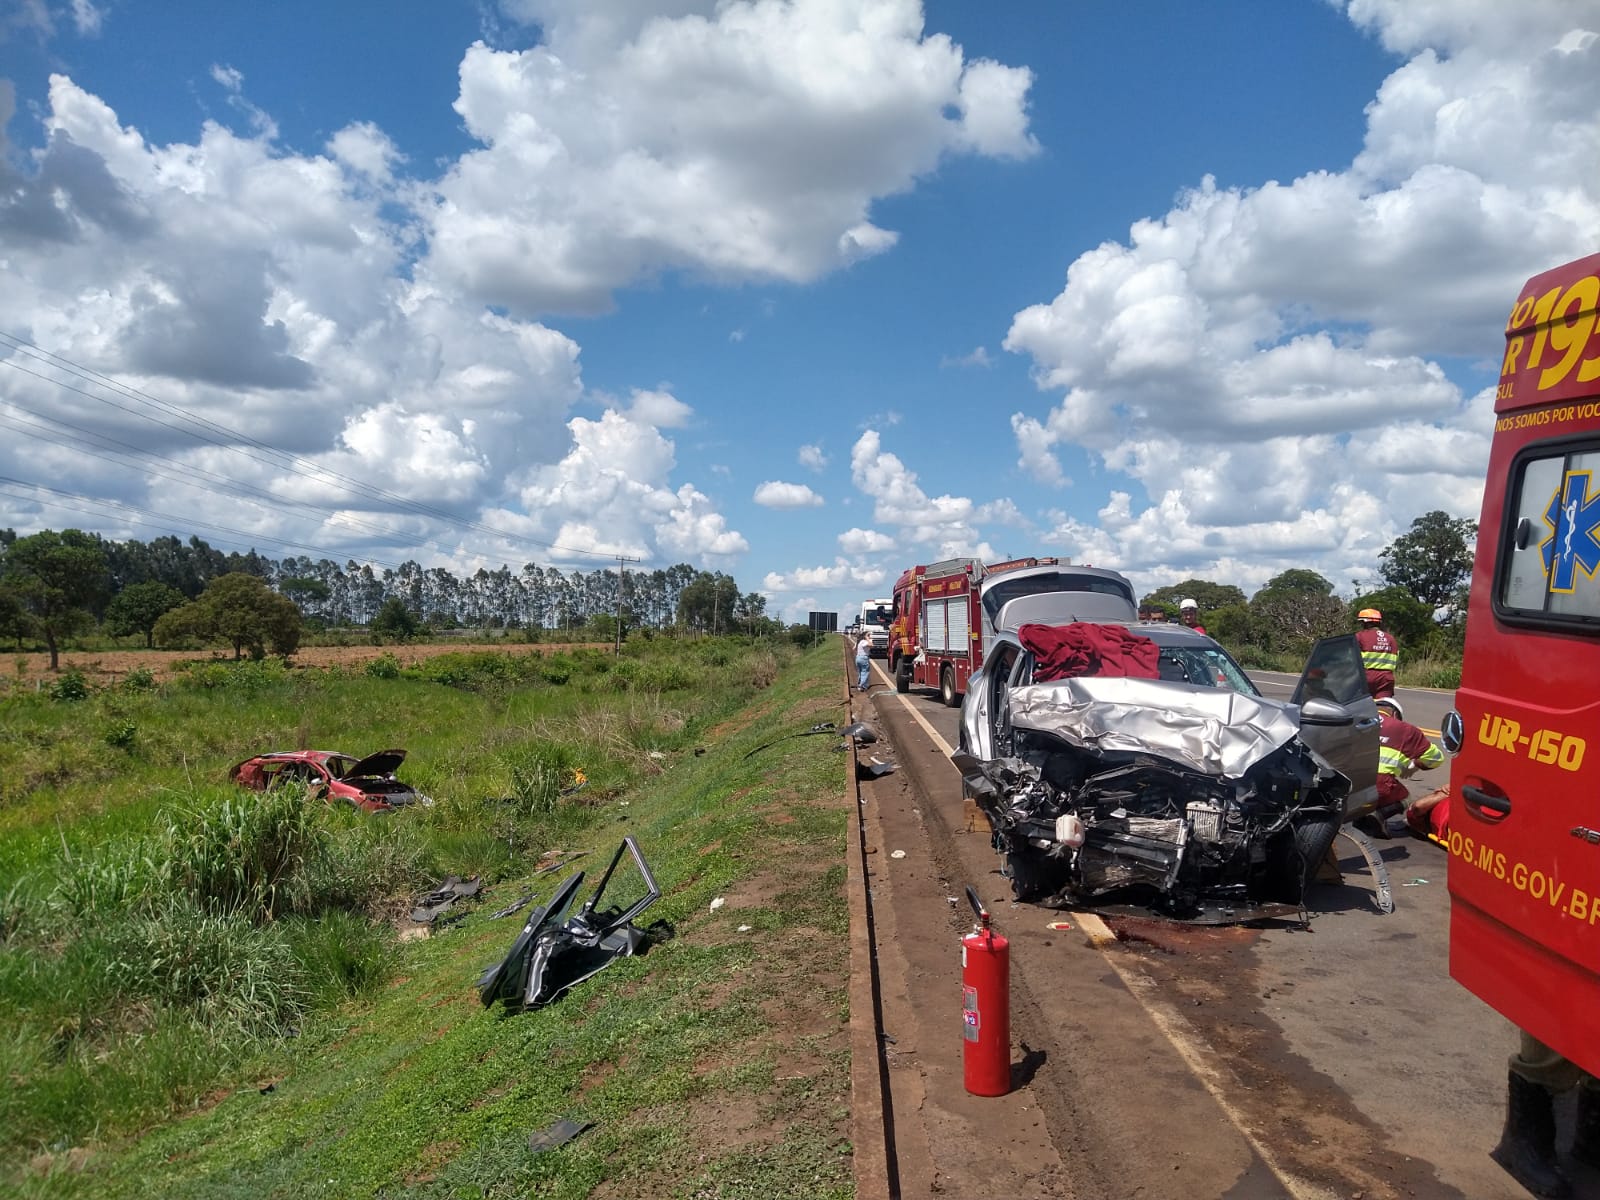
(204, 991)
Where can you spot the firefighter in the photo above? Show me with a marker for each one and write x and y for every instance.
(1527, 1148)
(1380, 652)
(1402, 748)
(1189, 614)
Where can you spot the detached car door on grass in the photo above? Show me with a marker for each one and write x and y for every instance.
(1338, 718)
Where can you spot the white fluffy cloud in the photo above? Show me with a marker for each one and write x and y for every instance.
(775, 494)
(812, 458)
(263, 290)
(1264, 364)
(841, 574)
(865, 541)
(736, 140)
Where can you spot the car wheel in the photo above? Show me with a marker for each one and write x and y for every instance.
(1303, 851)
(1029, 877)
(902, 675)
(947, 687)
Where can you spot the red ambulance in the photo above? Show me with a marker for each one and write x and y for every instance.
(1524, 834)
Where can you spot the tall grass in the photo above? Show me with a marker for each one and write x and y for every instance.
(159, 929)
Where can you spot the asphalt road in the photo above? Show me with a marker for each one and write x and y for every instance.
(1334, 1060)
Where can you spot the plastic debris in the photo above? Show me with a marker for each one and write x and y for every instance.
(745, 928)
(430, 907)
(1059, 926)
(513, 907)
(558, 1134)
(717, 903)
(897, 854)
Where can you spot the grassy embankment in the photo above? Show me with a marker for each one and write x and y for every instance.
(169, 947)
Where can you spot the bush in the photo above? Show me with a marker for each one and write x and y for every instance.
(556, 669)
(70, 688)
(121, 734)
(385, 666)
(140, 679)
(246, 678)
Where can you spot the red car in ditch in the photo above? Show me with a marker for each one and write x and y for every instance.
(368, 783)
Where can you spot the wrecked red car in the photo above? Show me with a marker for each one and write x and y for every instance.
(368, 783)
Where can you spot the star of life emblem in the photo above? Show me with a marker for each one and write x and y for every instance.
(1573, 516)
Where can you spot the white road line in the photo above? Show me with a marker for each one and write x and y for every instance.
(1196, 1055)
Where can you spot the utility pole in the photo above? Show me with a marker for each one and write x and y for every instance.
(622, 587)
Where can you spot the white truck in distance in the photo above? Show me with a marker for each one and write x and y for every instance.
(875, 624)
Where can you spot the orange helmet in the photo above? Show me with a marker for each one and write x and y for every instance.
(1369, 614)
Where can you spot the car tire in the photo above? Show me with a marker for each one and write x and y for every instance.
(1303, 849)
(902, 676)
(1029, 877)
(947, 687)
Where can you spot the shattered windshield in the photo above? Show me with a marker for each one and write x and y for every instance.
(1204, 666)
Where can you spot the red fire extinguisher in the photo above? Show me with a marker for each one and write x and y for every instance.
(985, 1007)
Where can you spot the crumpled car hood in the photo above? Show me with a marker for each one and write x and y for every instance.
(1215, 731)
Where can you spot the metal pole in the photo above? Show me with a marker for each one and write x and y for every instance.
(622, 584)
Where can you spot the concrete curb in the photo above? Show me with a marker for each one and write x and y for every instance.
(877, 1176)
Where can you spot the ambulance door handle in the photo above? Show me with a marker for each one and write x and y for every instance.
(1481, 798)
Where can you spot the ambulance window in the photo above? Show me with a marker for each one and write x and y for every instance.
(1550, 557)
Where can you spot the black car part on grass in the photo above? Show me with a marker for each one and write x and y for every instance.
(819, 727)
(439, 901)
(556, 951)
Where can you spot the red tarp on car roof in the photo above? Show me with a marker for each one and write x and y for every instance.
(1084, 648)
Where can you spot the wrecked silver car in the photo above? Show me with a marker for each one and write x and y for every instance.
(1139, 765)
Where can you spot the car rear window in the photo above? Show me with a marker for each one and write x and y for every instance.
(997, 594)
(1550, 545)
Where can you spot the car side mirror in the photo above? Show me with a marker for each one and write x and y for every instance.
(1321, 711)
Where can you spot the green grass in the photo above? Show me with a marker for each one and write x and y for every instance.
(248, 954)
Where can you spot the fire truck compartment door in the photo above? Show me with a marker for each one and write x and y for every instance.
(937, 637)
(1061, 608)
(1338, 718)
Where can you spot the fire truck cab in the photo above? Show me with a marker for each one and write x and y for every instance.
(946, 613)
(1524, 828)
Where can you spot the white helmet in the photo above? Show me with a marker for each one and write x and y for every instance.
(1187, 602)
(1394, 706)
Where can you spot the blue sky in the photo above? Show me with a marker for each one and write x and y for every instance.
(807, 292)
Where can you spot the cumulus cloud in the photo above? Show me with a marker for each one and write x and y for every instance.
(865, 541)
(735, 141)
(774, 494)
(842, 573)
(1262, 366)
(812, 457)
(268, 292)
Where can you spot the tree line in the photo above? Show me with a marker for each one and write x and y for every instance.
(1424, 576)
(55, 585)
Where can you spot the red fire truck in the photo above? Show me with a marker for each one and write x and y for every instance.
(1524, 831)
(946, 613)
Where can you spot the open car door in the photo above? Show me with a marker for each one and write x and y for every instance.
(1338, 718)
